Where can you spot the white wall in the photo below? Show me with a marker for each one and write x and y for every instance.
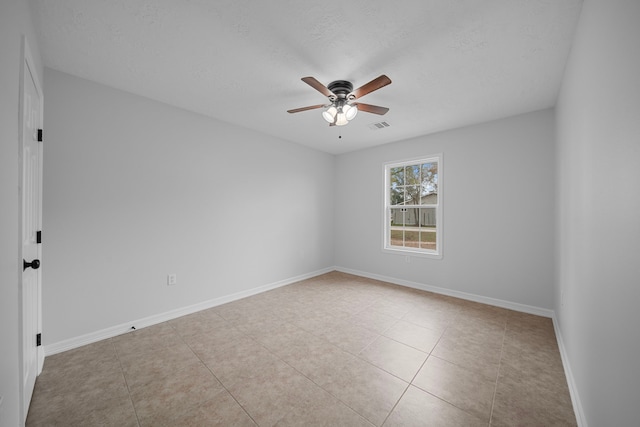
(498, 210)
(135, 190)
(598, 133)
(15, 21)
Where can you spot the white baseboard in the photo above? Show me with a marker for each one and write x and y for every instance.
(573, 390)
(113, 331)
(452, 293)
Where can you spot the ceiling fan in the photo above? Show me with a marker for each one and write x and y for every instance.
(341, 95)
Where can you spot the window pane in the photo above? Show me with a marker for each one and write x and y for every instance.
(412, 174)
(397, 176)
(397, 237)
(396, 229)
(396, 195)
(412, 217)
(428, 217)
(428, 228)
(429, 183)
(397, 216)
(429, 199)
(428, 239)
(412, 238)
(412, 195)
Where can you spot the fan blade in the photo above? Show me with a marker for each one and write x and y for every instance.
(312, 107)
(374, 84)
(319, 87)
(368, 108)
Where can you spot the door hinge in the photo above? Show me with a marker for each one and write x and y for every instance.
(39, 135)
(39, 236)
(38, 340)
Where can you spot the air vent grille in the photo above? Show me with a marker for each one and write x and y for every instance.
(379, 125)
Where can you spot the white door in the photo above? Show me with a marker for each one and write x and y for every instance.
(30, 218)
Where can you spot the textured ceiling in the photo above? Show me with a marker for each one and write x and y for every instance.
(452, 62)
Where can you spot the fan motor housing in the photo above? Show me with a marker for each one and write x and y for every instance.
(341, 88)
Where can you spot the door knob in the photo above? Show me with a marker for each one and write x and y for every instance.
(35, 264)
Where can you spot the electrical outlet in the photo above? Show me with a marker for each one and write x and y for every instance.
(407, 259)
(171, 280)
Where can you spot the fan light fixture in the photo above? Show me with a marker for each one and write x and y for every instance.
(340, 112)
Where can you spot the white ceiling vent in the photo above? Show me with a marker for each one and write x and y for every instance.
(379, 125)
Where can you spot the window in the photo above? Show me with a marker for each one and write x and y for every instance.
(413, 207)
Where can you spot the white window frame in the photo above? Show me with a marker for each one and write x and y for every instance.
(409, 251)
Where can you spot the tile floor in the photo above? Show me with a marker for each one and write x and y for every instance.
(335, 350)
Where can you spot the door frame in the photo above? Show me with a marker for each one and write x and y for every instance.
(27, 65)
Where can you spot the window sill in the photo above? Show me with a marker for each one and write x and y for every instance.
(410, 253)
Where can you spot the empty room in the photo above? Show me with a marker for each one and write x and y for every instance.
(364, 213)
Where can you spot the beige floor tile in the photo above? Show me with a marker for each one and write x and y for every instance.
(525, 399)
(269, 397)
(113, 410)
(431, 319)
(80, 377)
(293, 311)
(323, 410)
(476, 338)
(418, 408)
(238, 310)
(355, 299)
(70, 397)
(210, 313)
(276, 339)
(533, 350)
(238, 360)
(140, 369)
(314, 357)
(532, 358)
(88, 357)
(530, 339)
(248, 323)
(487, 330)
(528, 321)
(396, 358)
(220, 411)
(161, 399)
(530, 333)
(476, 313)
(370, 319)
(341, 310)
(366, 389)
(81, 397)
(146, 340)
(392, 308)
(413, 335)
(316, 322)
(257, 328)
(213, 338)
(462, 388)
(348, 336)
(532, 395)
(198, 324)
(469, 352)
(427, 302)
